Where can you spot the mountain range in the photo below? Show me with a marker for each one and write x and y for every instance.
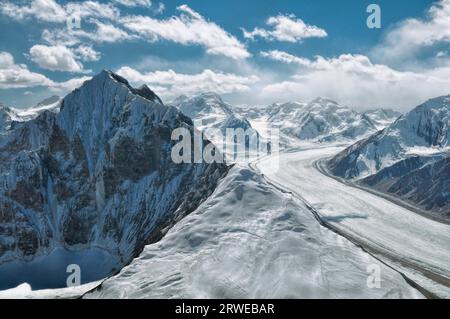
(88, 179)
(320, 120)
(213, 116)
(408, 159)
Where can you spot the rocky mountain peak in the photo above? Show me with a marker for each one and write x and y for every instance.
(144, 91)
(210, 96)
(50, 100)
(147, 93)
(322, 101)
(99, 173)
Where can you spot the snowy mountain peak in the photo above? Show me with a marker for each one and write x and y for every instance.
(211, 96)
(321, 119)
(208, 104)
(108, 74)
(437, 103)
(98, 173)
(6, 116)
(322, 101)
(213, 115)
(50, 100)
(427, 125)
(143, 91)
(51, 104)
(381, 118)
(426, 128)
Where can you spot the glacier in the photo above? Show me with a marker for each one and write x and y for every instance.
(251, 240)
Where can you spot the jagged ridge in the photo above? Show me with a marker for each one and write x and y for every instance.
(96, 174)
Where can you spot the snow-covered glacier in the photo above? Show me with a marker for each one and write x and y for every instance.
(251, 240)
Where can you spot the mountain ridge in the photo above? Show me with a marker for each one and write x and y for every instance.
(98, 173)
(402, 159)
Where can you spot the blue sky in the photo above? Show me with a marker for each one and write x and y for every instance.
(251, 52)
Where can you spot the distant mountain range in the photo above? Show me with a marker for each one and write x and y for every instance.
(321, 120)
(9, 114)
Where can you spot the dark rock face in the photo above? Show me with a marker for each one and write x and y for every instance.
(424, 181)
(433, 126)
(5, 118)
(397, 170)
(148, 94)
(97, 174)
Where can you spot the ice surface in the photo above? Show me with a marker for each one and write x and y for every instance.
(249, 240)
(414, 241)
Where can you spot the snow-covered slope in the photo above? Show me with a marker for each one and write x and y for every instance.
(97, 175)
(411, 149)
(7, 115)
(382, 117)
(24, 291)
(249, 240)
(51, 104)
(416, 245)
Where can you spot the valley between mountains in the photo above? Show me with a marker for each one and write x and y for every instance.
(302, 225)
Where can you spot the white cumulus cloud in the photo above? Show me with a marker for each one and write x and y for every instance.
(55, 58)
(44, 10)
(14, 75)
(86, 53)
(18, 76)
(412, 36)
(104, 32)
(282, 56)
(355, 80)
(134, 3)
(286, 28)
(69, 85)
(170, 83)
(51, 11)
(189, 28)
